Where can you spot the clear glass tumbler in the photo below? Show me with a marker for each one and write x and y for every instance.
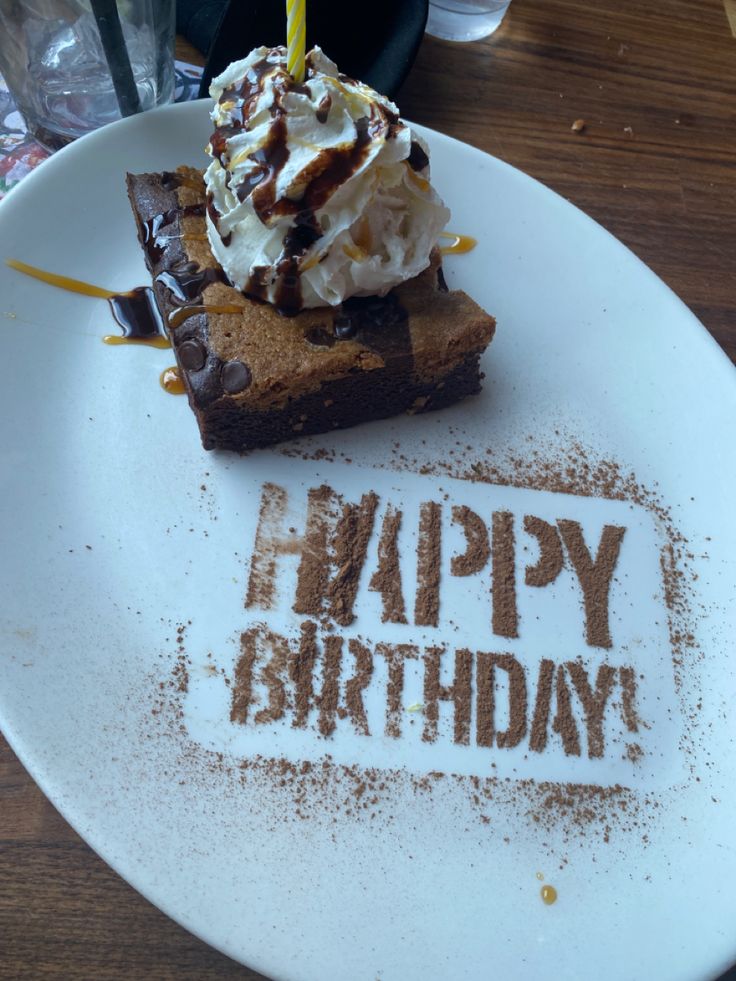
(465, 20)
(75, 65)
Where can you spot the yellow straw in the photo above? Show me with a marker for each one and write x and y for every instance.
(296, 36)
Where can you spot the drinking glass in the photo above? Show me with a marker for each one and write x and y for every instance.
(465, 20)
(75, 65)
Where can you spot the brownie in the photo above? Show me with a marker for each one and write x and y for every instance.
(255, 377)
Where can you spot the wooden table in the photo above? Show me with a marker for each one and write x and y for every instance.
(655, 84)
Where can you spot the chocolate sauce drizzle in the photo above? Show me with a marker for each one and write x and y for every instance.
(153, 239)
(186, 281)
(323, 109)
(417, 158)
(138, 315)
(380, 324)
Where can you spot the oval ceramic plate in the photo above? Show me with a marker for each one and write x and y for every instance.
(370, 795)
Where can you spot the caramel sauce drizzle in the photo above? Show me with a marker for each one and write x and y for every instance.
(62, 282)
(459, 245)
(548, 894)
(127, 309)
(177, 317)
(158, 341)
(171, 381)
(134, 310)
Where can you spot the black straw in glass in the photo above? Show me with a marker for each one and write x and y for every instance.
(116, 54)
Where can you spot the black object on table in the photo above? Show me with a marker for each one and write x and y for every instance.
(377, 45)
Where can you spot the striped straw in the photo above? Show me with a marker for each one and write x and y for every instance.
(296, 36)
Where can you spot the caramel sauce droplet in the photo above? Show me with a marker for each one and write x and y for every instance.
(177, 317)
(171, 381)
(548, 894)
(459, 244)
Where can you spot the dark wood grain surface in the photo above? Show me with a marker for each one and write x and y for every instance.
(655, 84)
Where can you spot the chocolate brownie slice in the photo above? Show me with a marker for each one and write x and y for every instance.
(255, 377)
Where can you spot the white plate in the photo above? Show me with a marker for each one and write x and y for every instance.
(109, 543)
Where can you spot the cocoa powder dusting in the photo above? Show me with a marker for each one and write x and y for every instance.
(386, 580)
(242, 691)
(550, 562)
(351, 543)
(564, 721)
(181, 672)
(628, 700)
(395, 655)
(262, 578)
(355, 686)
(505, 615)
(321, 790)
(540, 719)
(427, 604)
(459, 693)
(330, 694)
(272, 675)
(486, 685)
(593, 702)
(478, 550)
(301, 667)
(314, 568)
(594, 575)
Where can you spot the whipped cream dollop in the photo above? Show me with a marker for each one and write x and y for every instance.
(316, 191)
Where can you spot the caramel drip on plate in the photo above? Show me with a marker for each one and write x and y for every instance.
(548, 894)
(157, 341)
(459, 244)
(62, 282)
(171, 381)
(177, 317)
(134, 310)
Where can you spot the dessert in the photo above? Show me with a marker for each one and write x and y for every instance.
(299, 277)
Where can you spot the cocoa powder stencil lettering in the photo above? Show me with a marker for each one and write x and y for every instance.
(437, 625)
